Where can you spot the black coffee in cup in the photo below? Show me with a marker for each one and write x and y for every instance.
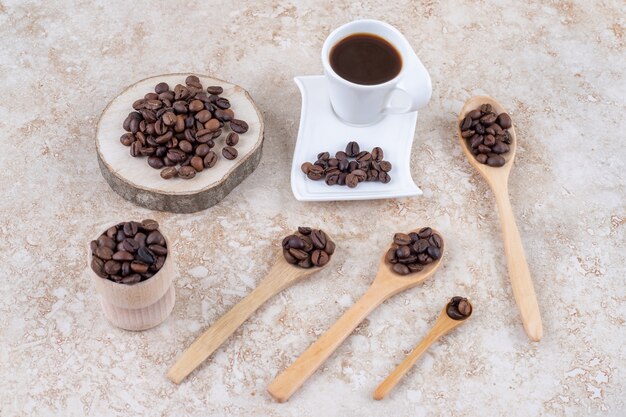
(364, 58)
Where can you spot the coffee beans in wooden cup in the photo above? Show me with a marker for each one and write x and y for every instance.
(350, 167)
(487, 135)
(411, 252)
(308, 247)
(129, 252)
(176, 127)
(459, 308)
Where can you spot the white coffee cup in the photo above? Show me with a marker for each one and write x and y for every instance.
(366, 104)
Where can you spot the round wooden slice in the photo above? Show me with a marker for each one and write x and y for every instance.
(136, 181)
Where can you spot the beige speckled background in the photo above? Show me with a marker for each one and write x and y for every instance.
(557, 65)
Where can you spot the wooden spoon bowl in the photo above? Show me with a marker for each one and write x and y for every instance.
(386, 284)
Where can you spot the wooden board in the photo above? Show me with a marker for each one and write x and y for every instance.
(133, 179)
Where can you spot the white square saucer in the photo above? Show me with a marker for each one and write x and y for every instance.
(321, 130)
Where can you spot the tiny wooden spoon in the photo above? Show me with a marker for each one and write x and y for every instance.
(281, 276)
(497, 178)
(443, 325)
(386, 284)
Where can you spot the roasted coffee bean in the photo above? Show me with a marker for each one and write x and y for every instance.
(415, 267)
(384, 177)
(212, 126)
(202, 150)
(504, 120)
(130, 245)
(332, 178)
(434, 252)
(319, 258)
(390, 256)
(106, 241)
(169, 172)
(229, 152)
(377, 154)
(325, 156)
(385, 166)
(330, 246)
(105, 253)
(197, 163)
(402, 239)
(158, 249)
(495, 161)
(112, 267)
(318, 238)
(351, 180)
(139, 267)
(288, 257)
(97, 265)
(122, 256)
(403, 252)
(210, 159)
(155, 162)
(155, 238)
(458, 308)
(214, 89)
(315, 173)
(359, 174)
(401, 269)
(304, 230)
(145, 255)
(238, 126)
(299, 254)
(222, 103)
(341, 156)
(232, 139)
(352, 149)
(186, 172)
(425, 232)
(294, 242)
(466, 123)
(500, 147)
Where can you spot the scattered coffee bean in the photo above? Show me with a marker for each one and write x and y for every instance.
(341, 170)
(229, 152)
(459, 308)
(487, 135)
(410, 252)
(171, 126)
(308, 247)
(129, 260)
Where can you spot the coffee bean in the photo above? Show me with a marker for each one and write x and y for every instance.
(222, 103)
(169, 172)
(434, 252)
(158, 249)
(504, 120)
(106, 241)
(232, 139)
(155, 162)
(161, 88)
(145, 255)
(130, 245)
(495, 161)
(385, 166)
(352, 181)
(330, 246)
(352, 149)
(186, 172)
(401, 269)
(299, 254)
(315, 172)
(458, 308)
(304, 230)
(332, 178)
(104, 253)
(415, 267)
(288, 257)
(214, 89)
(97, 265)
(238, 126)
(318, 238)
(122, 256)
(210, 159)
(384, 177)
(500, 147)
(139, 267)
(466, 123)
(112, 267)
(377, 154)
(319, 258)
(403, 252)
(229, 152)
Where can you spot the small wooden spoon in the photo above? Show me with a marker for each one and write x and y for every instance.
(443, 325)
(281, 276)
(497, 178)
(386, 284)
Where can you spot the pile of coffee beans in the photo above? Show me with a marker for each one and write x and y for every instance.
(177, 129)
(411, 252)
(129, 252)
(308, 247)
(349, 167)
(459, 308)
(487, 135)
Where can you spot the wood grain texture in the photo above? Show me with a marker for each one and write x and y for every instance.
(139, 306)
(497, 178)
(135, 181)
(385, 285)
(281, 276)
(443, 325)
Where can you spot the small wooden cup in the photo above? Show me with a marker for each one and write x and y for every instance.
(138, 306)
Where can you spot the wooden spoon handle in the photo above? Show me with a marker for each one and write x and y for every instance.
(521, 282)
(397, 374)
(223, 328)
(292, 378)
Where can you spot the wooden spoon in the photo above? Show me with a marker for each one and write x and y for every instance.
(386, 284)
(497, 178)
(443, 325)
(281, 276)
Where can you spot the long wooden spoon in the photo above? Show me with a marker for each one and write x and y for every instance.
(386, 284)
(497, 178)
(443, 325)
(281, 276)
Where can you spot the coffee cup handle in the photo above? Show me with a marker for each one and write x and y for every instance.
(415, 85)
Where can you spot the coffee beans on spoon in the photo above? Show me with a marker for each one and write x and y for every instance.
(349, 167)
(308, 248)
(459, 308)
(487, 135)
(177, 129)
(129, 252)
(410, 252)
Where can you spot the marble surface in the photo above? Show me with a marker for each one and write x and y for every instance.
(558, 66)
